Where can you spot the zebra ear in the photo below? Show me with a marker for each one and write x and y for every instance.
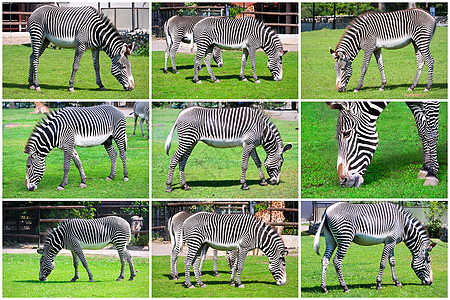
(287, 147)
(284, 52)
(284, 252)
(338, 105)
(430, 247)
(40, 251)
(125, 50)
(333, 53)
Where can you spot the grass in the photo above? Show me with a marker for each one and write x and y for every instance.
(21, 278)
(216, 173)
(167, 86)
(55, 69)
(256, 277)
(319, 77)
(394, 167)
(360, 270)
(95, 160)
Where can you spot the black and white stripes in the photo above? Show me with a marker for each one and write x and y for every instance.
(82, 28)
(373, 31)
(226, 128)
(78, 234)
(76, 126)
(357, 138)
(371, 224)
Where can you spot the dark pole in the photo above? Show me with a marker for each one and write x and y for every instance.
(133, 16)
(314, 17)
(334, 15)
(357, 9)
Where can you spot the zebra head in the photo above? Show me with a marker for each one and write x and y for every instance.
(421, 264)
(121, 68)
(343, 69)
(357, 139)
(277, 267)
(47, 264)
(35, 169)
(273, 164)
(275, 64)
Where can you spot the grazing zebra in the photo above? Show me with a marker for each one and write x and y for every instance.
(373, 31)
(175, 225)
(180, 29)
(357, 138)
(225, 128)
(141, 110)
(81, 28)
(228, 232)
(372, 224)
(78, 234)
(76, 126)
(245, 34)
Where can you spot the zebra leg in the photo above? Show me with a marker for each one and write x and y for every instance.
(198, 63)
(80, 254)
(208, 64)
(38, 47)
(135, 123)
(129, 259)
(77, 161)
(392, 264)
(75, 266)
(242, 253)
(95, 59)
(174, 50)
(339, 257)
(196, 265)
(431, 138)
(68, 152)
(202, 259)
(141, 124)
(215, 256)
(243, 63)
(252, 54)
(121, 139)
(420, 62)
(365, 65)
(217, 56)
(191, 256)
(76, 64)
(258, 164)
(231, 259)
(173, 163)
(247, 149)
(173, 259)
(387, 251)
(183, 162)
(120, 250)
(112, 156)
(330, 247)
(379, 59)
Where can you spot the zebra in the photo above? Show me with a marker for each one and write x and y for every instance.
(175, 225)
(81, 28)
(372, 224)
(247, 34)
(226, 128)
(180, 29)
(227, 232)
(136, 225)
(76, 126)
(357, 138)
(393, 30)
(78, 234)
(141, 110)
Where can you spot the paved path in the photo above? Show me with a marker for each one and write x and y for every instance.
(110, 251)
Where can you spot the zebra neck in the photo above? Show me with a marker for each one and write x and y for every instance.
(54, 242)
(415, 235)
(269, 241)
(271, 141)
(271, 43)
(43, 139)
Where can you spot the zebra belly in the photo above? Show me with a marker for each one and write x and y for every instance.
(364, 239)
(223, 247)
(89, 141)
(393, 43)
(223, 143)
(93, 246)
(67, 42)
(240, 46)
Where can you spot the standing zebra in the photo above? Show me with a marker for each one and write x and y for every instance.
(141, 110)
(357, 138)
(225, 128)
(227, 232)
(175, 228)
(81, 28)
(373, 31)
(372, 224)
(76, 126)
(246, 34)
(78, 234)
(180, 29)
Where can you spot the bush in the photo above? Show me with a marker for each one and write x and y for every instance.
(436, 210)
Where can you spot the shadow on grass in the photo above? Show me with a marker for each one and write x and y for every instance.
(51, 282)
(187, 67)
(405, 87)
(230, 77)
(55, 87)
(338, 288)
(216, 183)
(222, 283)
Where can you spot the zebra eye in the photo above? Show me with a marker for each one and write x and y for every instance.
(347, 134)
(34, 155)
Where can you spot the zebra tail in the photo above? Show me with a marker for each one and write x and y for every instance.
(169, 138)
(171, 233)
(317, 236)
(169, 40)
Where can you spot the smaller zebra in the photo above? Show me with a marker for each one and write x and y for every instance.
(228, 232)
(136, 224)
(141, 110)
(78, 234)
(180, 29)
(245, 34)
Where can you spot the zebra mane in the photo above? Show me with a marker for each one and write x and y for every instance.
(39, 127)
(416, 224)
(271, 126)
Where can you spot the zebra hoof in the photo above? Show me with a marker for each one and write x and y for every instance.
(346, 290)
(131, 279)
(60, 188)
(410, 89)
(126, 179)
(176, 72)
(32, 87)
(398, 284)
(191, 286)
(245, 187)
(217, 81)
(186, 187)
(381, 90)
(168, 190)
(71, 89)
(244, 79)
(203, 285)
(422, 174)
(426, 90)
(38, 89)
(166, 72)
(263, 183)
(355, 90)
(241, 286)
(119, 279)
(431, 181)
(379, 287)
(257, 81)
(74, 279)
(108, 178)
(199, 82)
(91, 280)
(83, 185)
(102, 88)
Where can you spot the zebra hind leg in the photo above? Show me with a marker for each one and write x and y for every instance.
(129, 259)
(77, 162)
(75, 266)
(76, 65)
(113, 156)
(392, 264)
(38, 47)
(208, 64)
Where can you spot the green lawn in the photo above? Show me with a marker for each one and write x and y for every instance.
(181, 86)
(216, 173)
(55, 69)
(21, 278)
(360, 269)
(319, 77)
(394, 167)
(256, 277)
(18, 125)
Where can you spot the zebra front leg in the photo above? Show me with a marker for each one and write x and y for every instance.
(192, 255)
(330, 247)
(208, 64)
(387, 252)
(252, 54)
(247, 149)
(77, 161)
(129, 259)
(215, 255)
(258, 164)
(68, 152)
(75, 266)
(197, 64)
(392, 264)
(197, 264)
(243, 63)
(95, 59)
(431, 137)
(80, 254)
(174, 50)
(76, 64)
(365, 65)
(112, 156)
(183, 162)
(420, 62)
(242, 253)
(338, 258)
(379, 59)
(38, 46)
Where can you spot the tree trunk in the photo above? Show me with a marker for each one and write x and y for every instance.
(40, 108)
(12, 105)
